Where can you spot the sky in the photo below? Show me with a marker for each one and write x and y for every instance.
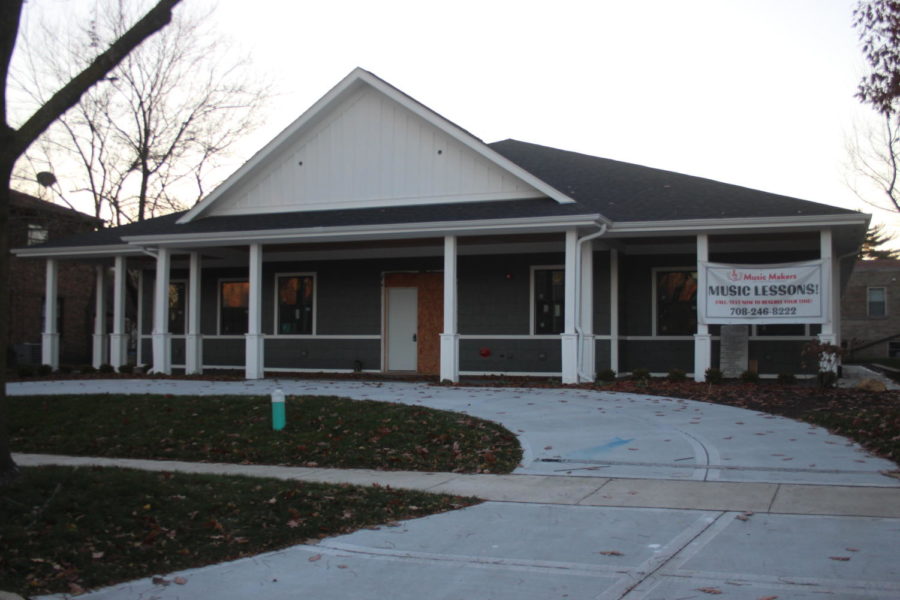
(758, 93)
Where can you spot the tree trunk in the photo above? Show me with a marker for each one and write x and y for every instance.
(8, 469)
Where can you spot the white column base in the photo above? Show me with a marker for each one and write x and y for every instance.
(162, 353)
(569, 357)
(100, 350)
(193, 354)
(702, 355)
(118, 349)
(587, 372)
(50, 349)
(254, 358)
(450, 357)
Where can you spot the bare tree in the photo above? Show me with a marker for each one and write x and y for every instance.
(14, 141)
(147, 142)
(873, 162)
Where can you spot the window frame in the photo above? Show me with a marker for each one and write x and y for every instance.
(186, 306)
(532, 319)
(654, 318)
(884, 303)
(34, 228)
(219, 302)
(276, 325)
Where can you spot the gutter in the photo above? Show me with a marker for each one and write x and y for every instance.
(578, 285)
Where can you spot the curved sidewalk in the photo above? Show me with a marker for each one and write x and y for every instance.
(618, 497)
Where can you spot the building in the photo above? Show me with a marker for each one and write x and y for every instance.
(33, 221)
(870, 310)
(373, 234)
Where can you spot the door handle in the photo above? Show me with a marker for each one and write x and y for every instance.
(414, 338)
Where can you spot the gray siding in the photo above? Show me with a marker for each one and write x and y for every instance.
(537, 356)
(322, 354)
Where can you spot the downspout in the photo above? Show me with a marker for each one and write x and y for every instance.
(578, 329)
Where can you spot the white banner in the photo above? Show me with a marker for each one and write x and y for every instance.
(762, 294)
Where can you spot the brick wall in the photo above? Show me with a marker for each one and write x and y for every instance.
(857, 327)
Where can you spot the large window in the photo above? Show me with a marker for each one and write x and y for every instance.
(234, 298)
(295, 304)
(676, 302)
(177, 307)
(877, 301)
(549, 285)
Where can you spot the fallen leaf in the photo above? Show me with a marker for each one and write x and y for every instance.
(315, 557)
(769, 598)
(709, 590)
(611, 553)
(180, 580)
(840, 558)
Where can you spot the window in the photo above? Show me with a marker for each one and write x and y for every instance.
(676, 302)
(177, 307)
(37, 234)
(782, 329)
(234, 298)
(295, 304)
(877, 302)
(549, 286)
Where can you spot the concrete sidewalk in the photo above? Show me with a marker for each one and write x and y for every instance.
(618, 497)
(774, 498)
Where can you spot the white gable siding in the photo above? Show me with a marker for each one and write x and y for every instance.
(370, 151)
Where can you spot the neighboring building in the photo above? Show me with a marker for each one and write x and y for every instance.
(34, 221)
(870, 310)
(373, 234)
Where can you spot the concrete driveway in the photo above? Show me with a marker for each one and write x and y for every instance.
(618, 497)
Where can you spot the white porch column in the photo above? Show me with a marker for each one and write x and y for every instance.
(587, 370)
(162, 339)
(50, 336)
(569, 336)
(450, 336)
(118, 341)
(193, 341)
(253, 365)
(614, 310)
(830, 291)
(702, 339)
(100, 346)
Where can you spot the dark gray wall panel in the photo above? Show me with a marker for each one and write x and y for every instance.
(602, 354)
(775, 356)
(506, 356)
(227, 352)
(659, 356)
(322, 354)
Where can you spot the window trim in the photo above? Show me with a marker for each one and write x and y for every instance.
(883, 302)
(315, 297)
(34, 228)
(532, 326)
(654, 315)
(219, 283)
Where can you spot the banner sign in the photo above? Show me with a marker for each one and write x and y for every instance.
(761, 294)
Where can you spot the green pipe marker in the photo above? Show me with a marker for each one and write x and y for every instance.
(279, 418)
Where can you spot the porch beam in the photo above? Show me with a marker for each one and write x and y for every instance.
(569, 336)
(100, 347)
(50, 335)
(118, 341)
(450, 335)
(253, 362)
(162, 339)
(702, 339)
(193, 341)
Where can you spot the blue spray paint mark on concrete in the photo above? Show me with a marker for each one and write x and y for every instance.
(596, 451)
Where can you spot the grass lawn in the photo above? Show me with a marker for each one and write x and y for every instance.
(321, 431)
(68, 529)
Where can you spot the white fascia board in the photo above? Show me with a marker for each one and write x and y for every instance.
(369, 232)
(622, 229)
(75, 252)
(361, 75)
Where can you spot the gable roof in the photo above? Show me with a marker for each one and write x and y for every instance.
(280, 178)
(627, 192)
(22, 201)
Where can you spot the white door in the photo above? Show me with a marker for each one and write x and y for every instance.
(402, 325)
